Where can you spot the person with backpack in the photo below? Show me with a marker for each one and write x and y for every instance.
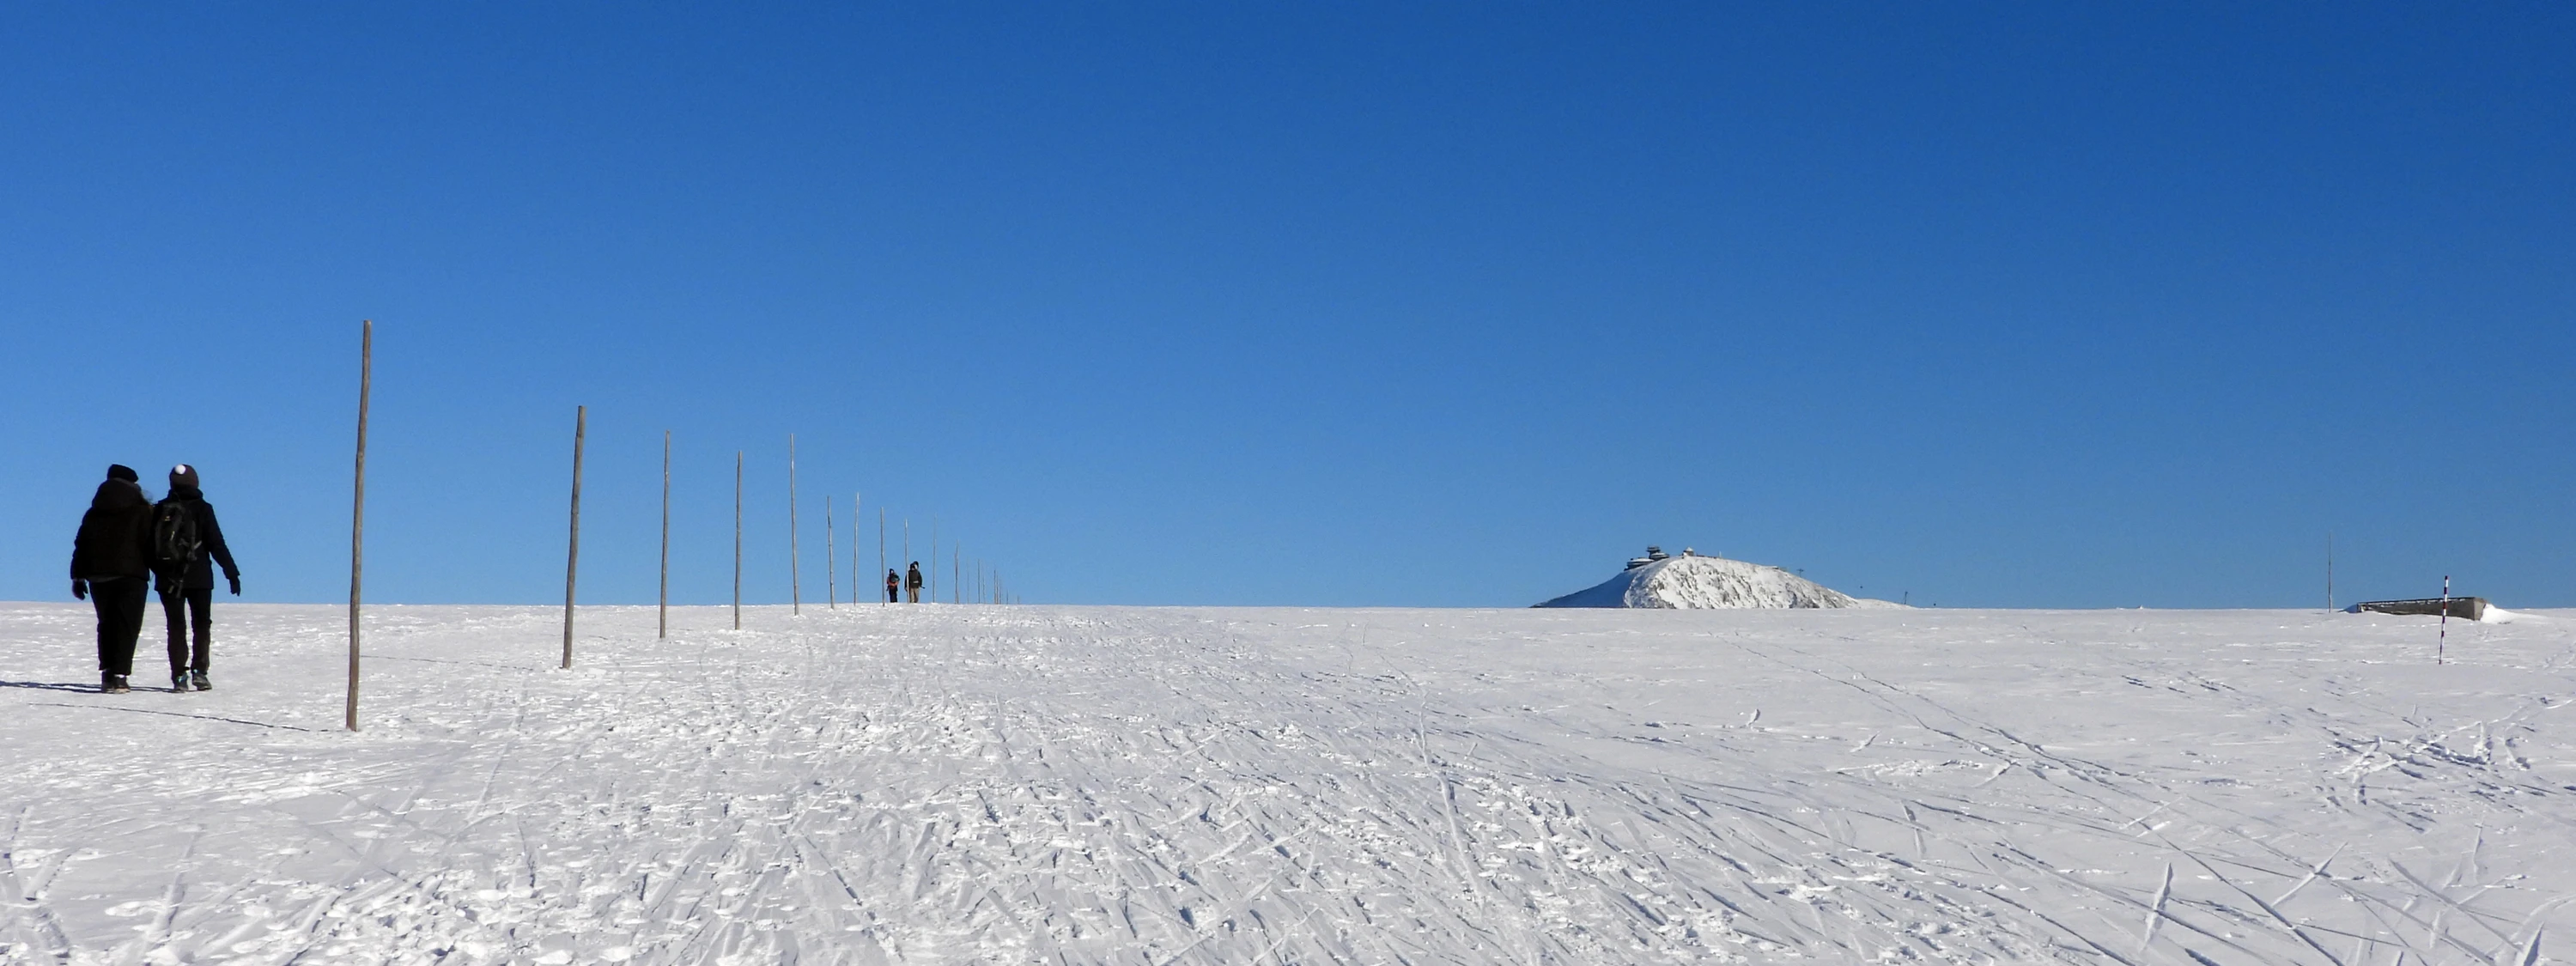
(185, 537)
(894, 587)
(912, 582)
(111, 562)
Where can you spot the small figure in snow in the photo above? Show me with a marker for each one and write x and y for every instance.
(111, 565)
(912, 582)
(185, 537)
(894, 587)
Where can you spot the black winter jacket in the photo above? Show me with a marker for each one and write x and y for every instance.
(115, 538)
(210, 544)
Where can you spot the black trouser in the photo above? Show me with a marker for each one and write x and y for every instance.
(186, 611)
(119, 601)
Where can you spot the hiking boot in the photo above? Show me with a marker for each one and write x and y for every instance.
(179, 683)
(199, 679)
(107, 682)
(115, 684)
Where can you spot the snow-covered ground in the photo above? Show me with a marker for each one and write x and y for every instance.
(1093, 785)
(1690, 582)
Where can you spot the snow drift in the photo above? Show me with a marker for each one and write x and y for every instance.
(1690, 582)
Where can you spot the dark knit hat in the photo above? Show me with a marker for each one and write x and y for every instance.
(120, 471)
(183, 475)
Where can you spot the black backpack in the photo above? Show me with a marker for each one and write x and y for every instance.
(175, 540)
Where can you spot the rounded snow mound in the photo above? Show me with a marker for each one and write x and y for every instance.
(1711, 583)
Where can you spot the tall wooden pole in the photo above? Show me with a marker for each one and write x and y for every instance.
(665, 603)
(572, 555)
(358, 508)
(956, 568)
(930, 581)
(831, 582)
(2329, 572)
(881, 546)
(854, 550)
(795, 592)
(737, 540)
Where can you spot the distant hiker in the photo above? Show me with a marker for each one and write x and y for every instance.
(894, 587)
(185, 537)
(111, 560)
(912, 581)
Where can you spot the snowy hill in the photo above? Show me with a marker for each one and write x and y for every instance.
(1690, 582)
(936, 784)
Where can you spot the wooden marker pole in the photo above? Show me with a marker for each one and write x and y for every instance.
(881, 549)
(737, 540)
(795, 589)
(358, 508)
(831, 579)
(664, 605)
(854, 550)
(572, 555)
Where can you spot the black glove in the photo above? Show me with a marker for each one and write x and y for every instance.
(235, 580)
(80, 590)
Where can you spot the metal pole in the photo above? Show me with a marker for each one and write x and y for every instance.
(358, 509)
(2442, 643)
(572, 556)
(881, 547)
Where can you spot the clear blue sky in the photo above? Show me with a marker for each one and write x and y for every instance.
(2000, 304)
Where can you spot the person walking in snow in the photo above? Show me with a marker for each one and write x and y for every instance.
(185, 537)
(111, 562)
(894, 587)
(912, 582)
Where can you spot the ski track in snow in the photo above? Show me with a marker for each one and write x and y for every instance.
(922, 784)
